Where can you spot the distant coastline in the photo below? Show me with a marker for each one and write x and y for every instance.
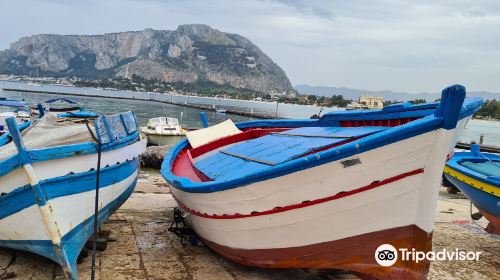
(490, 110)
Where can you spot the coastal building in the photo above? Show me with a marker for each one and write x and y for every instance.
(275, 95)
(367, 102)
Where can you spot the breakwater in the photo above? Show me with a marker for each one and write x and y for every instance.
(153, 97)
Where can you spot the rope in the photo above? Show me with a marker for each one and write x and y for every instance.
(489, 160)
(474, 221)
(96, 205)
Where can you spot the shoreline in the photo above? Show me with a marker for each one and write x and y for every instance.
(189, 105)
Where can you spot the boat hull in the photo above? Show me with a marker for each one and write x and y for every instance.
(327, 208)
(353, 253)
(268, 223)
(162, 140)
(68, 185)
(487, 203)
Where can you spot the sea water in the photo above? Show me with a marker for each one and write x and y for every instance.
(190, 116)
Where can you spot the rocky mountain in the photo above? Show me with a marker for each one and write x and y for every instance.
(387, 95)
(192, 53)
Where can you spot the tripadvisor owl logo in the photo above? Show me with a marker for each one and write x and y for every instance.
(386, 255)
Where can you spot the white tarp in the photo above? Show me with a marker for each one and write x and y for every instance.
(50, 131)
(206, 135)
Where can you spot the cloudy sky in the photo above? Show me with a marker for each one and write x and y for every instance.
(412, 46)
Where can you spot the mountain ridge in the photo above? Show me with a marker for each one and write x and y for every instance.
(387, 95)
(189, 54)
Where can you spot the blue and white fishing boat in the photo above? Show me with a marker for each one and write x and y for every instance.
(320, 193)
(48, 182)
(59, 105)
(477, 175)
(20, 113)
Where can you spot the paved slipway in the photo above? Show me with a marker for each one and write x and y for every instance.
(146, 250)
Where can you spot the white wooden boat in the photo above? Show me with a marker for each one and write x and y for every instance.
(48, 182)
(320, 193)
(163, 131)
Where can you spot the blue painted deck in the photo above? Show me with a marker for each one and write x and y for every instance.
(268, 151)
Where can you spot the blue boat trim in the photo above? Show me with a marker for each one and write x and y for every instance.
(43, 248)
(49, 101)
(482, 200)
(122, 132)
(16, 200)
(79, 114)
(453, 108)
(72, 242)
(59, 152)
(12, 103)
(22, 197)
(24, 159)
(454, 163)
(5, 138)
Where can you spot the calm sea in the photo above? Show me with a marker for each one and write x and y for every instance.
(190, 117)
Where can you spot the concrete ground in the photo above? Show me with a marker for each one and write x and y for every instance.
(146, 250)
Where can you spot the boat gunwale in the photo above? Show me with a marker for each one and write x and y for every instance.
(454, 164)
(391, 135)
(4, 137)
(58, 152)
(63, 151)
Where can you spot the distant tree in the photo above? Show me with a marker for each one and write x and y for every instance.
(490, 109)
(312, 98)
(388, 102)
(418, 101)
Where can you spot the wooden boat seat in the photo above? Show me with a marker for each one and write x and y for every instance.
(247, 157)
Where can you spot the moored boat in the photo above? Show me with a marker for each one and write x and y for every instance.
(320, 193)
(477, 175)
(59, 105)
(163, 131)
(62, 105)
(48, 182)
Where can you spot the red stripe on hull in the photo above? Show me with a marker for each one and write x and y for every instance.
(302, 204)
(356, 254)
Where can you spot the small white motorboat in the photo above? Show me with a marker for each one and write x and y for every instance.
(163, 131)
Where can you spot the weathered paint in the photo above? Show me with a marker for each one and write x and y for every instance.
(53, 195)
(307, 212)
(356, 254)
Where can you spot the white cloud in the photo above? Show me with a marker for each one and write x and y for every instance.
(401, 45)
